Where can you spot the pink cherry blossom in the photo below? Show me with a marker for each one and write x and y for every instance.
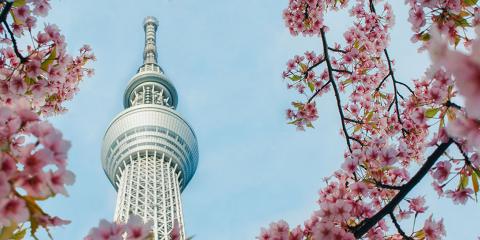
(12, 210)
(137, 229)
(433, 229)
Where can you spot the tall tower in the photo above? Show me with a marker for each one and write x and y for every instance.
(149, 152)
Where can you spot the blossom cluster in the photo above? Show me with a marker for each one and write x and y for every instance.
(134, 229)
(452, 17)
(45, 74)
(387, 124)
(34, 82)
(32, 166)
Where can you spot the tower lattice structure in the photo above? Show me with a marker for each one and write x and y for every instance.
(149, 151)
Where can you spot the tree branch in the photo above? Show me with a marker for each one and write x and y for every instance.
(399, 229)
(405, 85)
(317, 92)
(5, 10)
(342, 71)
(337, 50)
(452, 104)
(14, 41)
(335, 89)
(368, 223)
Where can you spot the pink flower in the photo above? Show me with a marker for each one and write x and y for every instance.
(359, 189)
(323, 230)
(388, 156)
(175, 233)
(442, 171)
(349, 165)
(52, 221)
(106, 231)
(35, 185)
(264, 235)
(12, 210)
(41, 7)
(465, 128)
(296, 234)
(460, 196)
(417, 204)
(33, 67)
(58, 180)
(279, 230)
(137, 229)
(433, 230)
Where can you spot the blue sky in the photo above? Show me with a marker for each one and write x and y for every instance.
(225, 59)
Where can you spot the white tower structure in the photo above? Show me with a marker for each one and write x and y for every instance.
(149, 152)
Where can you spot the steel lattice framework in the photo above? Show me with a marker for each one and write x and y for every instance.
(149, 152)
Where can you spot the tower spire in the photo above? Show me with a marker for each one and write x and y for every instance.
(150, 25)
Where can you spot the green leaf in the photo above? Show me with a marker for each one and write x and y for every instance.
(19, 3)
(463, 182)
(475, 182)
(462, 22)
(295, 78)
(346, 82)
(29, 81)
(49, 60)
(20, 234)
(470, 2)
(369, 116)
(311, 86)
(310, 125)
(303, 67)
(295, 121)
(430, 113)
(298, 105)
(425, 37)
(476, 171)
(357, 128)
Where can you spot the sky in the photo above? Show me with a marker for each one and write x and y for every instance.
(225, 59)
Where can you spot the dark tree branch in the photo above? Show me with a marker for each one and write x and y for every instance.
(353, 120)
(381, 83)
(391, 73)
(317, 92)
(368, 223)
(381, 185)
(390, 69)
(405, 85)
(5, 10)
(335, 89)
(399, 229)
(452, 104)
(337, 50)
(14, 41)
(342, 71)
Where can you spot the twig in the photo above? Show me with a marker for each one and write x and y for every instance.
(336, 50)
(399, 229)
(14, 41)
(317, 92)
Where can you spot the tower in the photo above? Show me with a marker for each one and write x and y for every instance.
(149, 151)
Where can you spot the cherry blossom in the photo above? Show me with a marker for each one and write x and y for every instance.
(395, 131)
